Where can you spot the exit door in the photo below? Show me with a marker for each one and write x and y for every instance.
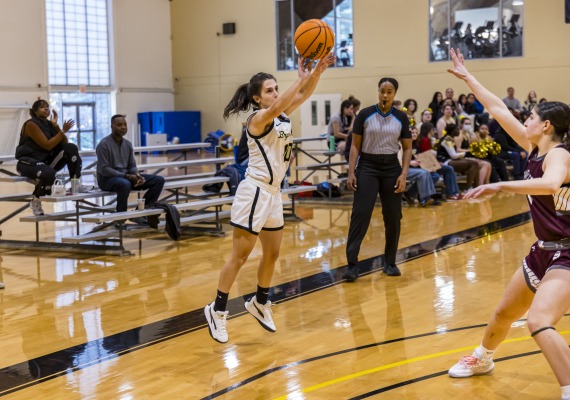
(316, 113)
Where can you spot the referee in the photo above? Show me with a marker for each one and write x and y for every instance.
(377, 133)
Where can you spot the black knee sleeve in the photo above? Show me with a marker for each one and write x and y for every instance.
(533, 334)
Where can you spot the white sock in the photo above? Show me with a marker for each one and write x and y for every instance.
(565, 392)
(483, 354)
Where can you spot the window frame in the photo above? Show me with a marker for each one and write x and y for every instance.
(291, 26)
(500, 32)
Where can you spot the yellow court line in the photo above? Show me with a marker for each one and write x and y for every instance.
(396, 364)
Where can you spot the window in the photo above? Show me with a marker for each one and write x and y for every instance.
(291, 13)
(479, 28)
(79, 67)
(91, 113)
(78, 42)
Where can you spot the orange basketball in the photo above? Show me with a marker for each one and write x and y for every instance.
(314, 39)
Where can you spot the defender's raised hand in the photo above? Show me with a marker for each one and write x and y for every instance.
(459, 69)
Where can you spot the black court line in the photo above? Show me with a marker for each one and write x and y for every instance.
(49, 366)
(434, 375)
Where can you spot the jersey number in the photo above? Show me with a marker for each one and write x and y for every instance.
(287, 152)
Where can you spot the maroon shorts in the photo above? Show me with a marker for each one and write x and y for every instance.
(538, 262)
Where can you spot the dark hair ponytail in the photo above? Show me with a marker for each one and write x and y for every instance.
(243, 97)
(558, 114)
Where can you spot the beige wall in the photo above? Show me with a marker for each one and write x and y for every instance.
(23, 69)
(208, 68)
(143, 59)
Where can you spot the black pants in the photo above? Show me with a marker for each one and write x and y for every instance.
(44, 172)
(499, 171)
(122, 186)
(375, 175)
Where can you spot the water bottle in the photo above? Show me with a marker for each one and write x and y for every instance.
(331, 143)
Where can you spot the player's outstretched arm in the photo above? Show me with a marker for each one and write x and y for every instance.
(556, 166)
(311, 83)
(492, 103)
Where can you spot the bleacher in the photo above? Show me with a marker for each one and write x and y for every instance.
(96, 222)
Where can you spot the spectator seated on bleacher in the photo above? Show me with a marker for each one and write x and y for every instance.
(43, 150)
(463, 142)
(512, 102)
(448, 117)
(339, 125)
(474, 107)
(490, 150)
(510, 149)
(420, 180)
(423, 145)
(117, 170)
(447, 154)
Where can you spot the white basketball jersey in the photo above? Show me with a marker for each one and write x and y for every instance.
(269, 153)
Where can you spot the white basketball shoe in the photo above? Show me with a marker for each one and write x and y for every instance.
(217, 321)
(262, 312)
(469, 366)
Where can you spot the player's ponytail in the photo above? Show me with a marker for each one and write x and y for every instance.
(239, 102)
(243, 97)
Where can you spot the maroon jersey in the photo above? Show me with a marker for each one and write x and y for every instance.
(550, 213)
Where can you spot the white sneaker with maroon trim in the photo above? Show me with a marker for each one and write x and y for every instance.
(469, 366)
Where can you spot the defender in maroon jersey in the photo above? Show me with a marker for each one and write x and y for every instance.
(542, 285)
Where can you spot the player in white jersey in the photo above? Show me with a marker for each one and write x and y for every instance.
(257, 210)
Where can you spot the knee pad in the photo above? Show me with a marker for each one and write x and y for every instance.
(533, 334)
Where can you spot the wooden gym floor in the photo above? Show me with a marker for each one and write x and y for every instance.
(133, 328)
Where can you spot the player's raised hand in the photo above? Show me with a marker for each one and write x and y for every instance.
(304, 67)
(459, 69)
(325, 62)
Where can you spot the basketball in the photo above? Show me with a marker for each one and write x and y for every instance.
(314, 39)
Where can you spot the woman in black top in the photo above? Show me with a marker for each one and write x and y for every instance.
(435, 106)
(377, 134)
(43, 150)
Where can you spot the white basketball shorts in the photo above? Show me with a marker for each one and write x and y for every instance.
(255, 208)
